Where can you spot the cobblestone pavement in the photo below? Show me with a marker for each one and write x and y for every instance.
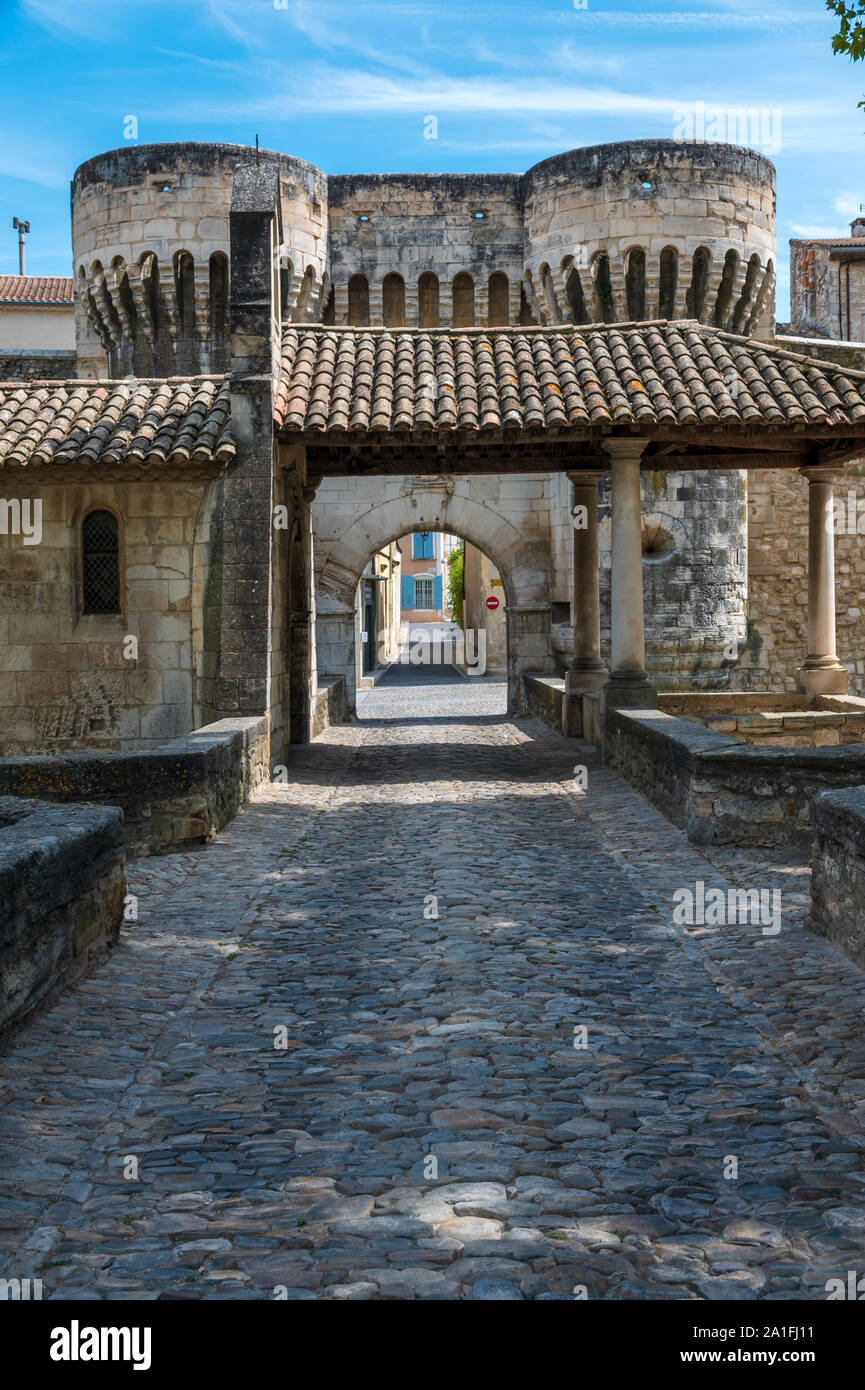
(288, 1042)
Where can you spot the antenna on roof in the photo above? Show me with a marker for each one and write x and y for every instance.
(20, 227)
(256, 149)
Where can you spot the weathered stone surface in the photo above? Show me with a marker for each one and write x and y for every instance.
(303, 1171)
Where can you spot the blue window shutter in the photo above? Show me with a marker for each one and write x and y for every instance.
(437, 593)
(429, 547)
(417, 546)
(407, 591)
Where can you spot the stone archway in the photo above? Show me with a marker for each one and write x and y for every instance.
(354, 518)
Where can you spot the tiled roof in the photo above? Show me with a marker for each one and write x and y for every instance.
(549, 379)
(37, 289)
(107, 422)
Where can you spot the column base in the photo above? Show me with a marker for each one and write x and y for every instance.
(577, 684)
(628, 694)
(824, 680)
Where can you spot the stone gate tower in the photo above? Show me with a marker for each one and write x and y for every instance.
(643, 230)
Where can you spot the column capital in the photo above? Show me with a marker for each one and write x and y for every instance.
(589, 477)
(625, 450)
(821, 473)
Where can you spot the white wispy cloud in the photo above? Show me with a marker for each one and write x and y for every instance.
(813, 230)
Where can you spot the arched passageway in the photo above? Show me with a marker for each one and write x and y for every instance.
(349, 531)
(430, 630)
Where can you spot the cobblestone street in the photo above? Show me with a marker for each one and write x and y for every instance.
(293, 1078)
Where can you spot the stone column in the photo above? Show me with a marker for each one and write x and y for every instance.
(587, 671)
(822, 673)
(628, 686)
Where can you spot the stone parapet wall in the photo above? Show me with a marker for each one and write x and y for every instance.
(37, 364)
(331, 704)
(542, 699)
(721, 791)
(62, 887)
(838, 864)
(171, 797)
(781, 721)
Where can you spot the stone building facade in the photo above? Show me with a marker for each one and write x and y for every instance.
(191, 261)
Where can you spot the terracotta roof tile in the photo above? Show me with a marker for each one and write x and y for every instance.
(678, 373)
(36, 289)
(115, 422)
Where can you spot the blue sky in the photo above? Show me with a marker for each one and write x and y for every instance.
(348, 86)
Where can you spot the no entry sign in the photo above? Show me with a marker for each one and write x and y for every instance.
(492, 602)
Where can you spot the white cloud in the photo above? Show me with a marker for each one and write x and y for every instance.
(812, 231)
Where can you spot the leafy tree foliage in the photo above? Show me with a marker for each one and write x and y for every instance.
(455, 585)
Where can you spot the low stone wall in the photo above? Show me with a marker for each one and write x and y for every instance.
(62, 888)
(542, 699)
(170, 797)
(778, 721)
(658, 754)
(331, 704)
(838, 864)
(721, 791)
(37, 364)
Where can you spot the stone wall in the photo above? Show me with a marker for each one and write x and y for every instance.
(416, 223)
(838, 877)
(651, 196)
(171, 797)
(827, 287)
(777, 635)
(331, 704)
(543, 699)
(66, 678)
(138, 213)
(37, 364)
(62, 888)
(720, 791)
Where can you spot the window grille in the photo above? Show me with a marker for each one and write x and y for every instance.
(101, 558)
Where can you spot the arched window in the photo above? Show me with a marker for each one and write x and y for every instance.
(696, 296)
(393, 301)
(464, 300)
(635, 284)
(668, 284)
(428, 300)
(100, 563)
(498, 311)
(358, 301)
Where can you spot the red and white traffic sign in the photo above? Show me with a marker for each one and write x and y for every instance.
(492, 601)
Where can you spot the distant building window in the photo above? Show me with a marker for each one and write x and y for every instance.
(422, 546)
(423, 592)
(101, 563)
